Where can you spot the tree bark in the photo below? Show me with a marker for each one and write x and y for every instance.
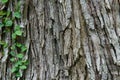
(69, 40)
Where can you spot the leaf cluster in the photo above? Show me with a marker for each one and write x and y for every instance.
(17, 49)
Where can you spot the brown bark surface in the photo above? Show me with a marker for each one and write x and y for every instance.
(68, 40)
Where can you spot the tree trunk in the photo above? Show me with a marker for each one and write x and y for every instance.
(69, 40)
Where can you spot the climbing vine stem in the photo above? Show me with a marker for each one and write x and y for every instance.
(17, 49)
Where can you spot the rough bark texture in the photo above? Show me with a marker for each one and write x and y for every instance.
(69, 40)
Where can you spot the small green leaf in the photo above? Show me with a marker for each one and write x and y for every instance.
(24, 48)
(8, 13)
(25, 62)
(17, 14)
(5, 45)
(18, 63)
(14, 69)
(18, 32)
(20, 56)
(6, 30)
(18, 74)
(18, 45)
(12, 59)
(8, 23)
(17, 27)
(2, 13)
(13, 36)
(2, 42)
(4, 1)
(1, 25)
(23, 67)
(12, 53)
(13, 47)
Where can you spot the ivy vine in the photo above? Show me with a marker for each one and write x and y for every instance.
(17, 49)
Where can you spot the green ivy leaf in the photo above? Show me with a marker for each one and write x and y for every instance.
(14, 69)
(13, 47)
(5, 45)
(8, 23)
(18, 32)
(24, 48)
(2, 13)
(2, 42)
(17, 27)
(18, 45)
(8, 13)
(13, 36)
(6, 30)
(12, 59)
(23, 67)
(4, 1)
(25, 62)
(1, 25)
(18, 74)
(12, 53)
(20, 56)
(17, 14)
(18, 63)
